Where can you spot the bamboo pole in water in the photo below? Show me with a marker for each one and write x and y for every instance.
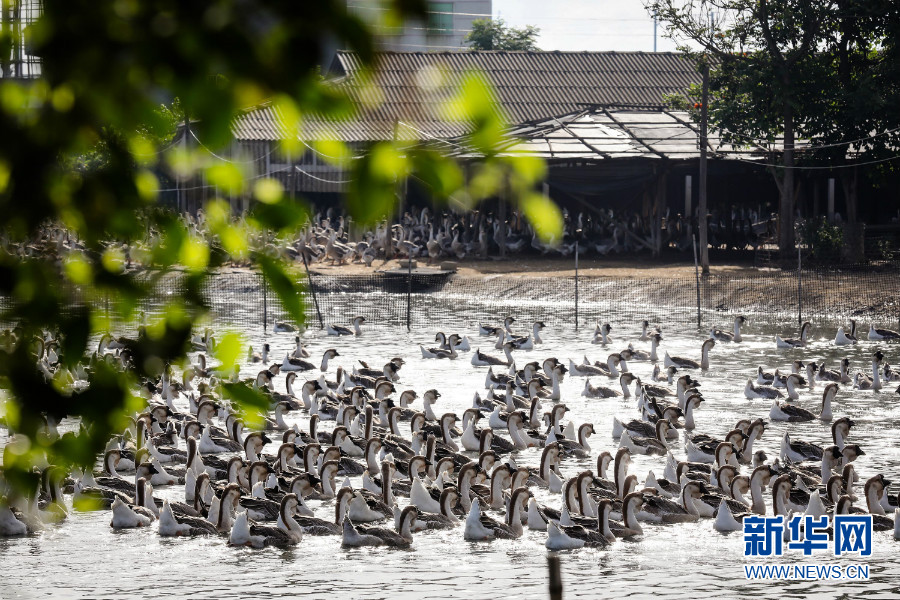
(312, 290)
(556, 587)
(697, 276)
(799, 287)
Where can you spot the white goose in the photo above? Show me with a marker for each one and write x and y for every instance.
(342, 330)
(758, 391)
(882, 334)
(687, 363)
(725, 336)
(792, 342)
(846, 339)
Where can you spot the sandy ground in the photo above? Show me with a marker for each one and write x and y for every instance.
(543, 267)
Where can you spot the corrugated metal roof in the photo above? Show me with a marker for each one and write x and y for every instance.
(625, 133)
(529, 86)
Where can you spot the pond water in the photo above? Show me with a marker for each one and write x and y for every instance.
(84, 557)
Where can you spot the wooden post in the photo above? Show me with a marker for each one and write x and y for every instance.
(697, 277)
(578, 233)
(702, 201)
(660, 204)
(556, 586)
(312, 290)
(408, 291)
(265, 287)
(688, 202)
(799, 286)
(831, 199)
(501, 216)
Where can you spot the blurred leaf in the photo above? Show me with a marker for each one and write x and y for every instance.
(252, 404)
(228, 349)
(285, 215)
(226, 176)
(194, 254)
(287, 291)
(544, 215)
(268, 191)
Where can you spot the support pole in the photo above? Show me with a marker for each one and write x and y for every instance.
(799, 286)
(688, 201)
(265, 287)
(408, 292)
(576, 282)
(702, 201)
(697, 276)
(312, 290)
(831, 199)
(556, 587)
(501, 217)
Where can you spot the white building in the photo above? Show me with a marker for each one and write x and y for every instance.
(444, 29)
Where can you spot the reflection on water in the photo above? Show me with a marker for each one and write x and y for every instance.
(84, 557)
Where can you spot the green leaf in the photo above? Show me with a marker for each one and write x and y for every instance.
(251, 403)
(228, 349)
(545, 217)
(287, 291)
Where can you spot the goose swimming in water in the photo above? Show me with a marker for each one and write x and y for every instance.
(339, 330)
(495, 331)
(846, 339)
(255, 357)
(725, 336)
(787, 412)
(586, 369)
(647, 445)
(480, 527)
(862, 381)
(842, 376)
(687, 363)
(170, 526)
(882, 334)
(757, 391)
(601, 391)
(601, 334)
(792, 342)
(480, 359)
(377, 536)
(799, 450)
(125, 516)
(450, 352)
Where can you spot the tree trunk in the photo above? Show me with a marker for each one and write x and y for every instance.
(786, 212)
(850, 183)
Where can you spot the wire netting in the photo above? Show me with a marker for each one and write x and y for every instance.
(240, 298)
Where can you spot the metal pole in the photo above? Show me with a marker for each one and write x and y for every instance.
(702, 200)
(576, 285)
(408, 291)
(556, 587)
(799, 287)
(654, 33)
(312, 290)
(697, 276)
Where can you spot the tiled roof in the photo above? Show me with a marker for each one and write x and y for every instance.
(410, 88)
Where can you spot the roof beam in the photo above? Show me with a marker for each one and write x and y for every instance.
(632, 135)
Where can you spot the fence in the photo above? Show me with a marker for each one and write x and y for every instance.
(240, 298)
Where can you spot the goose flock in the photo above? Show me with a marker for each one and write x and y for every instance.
(346, 452)
(330, 237)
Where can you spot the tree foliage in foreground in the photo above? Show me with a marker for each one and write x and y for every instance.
(79, 153)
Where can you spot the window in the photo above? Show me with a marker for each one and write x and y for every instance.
(440, 17)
